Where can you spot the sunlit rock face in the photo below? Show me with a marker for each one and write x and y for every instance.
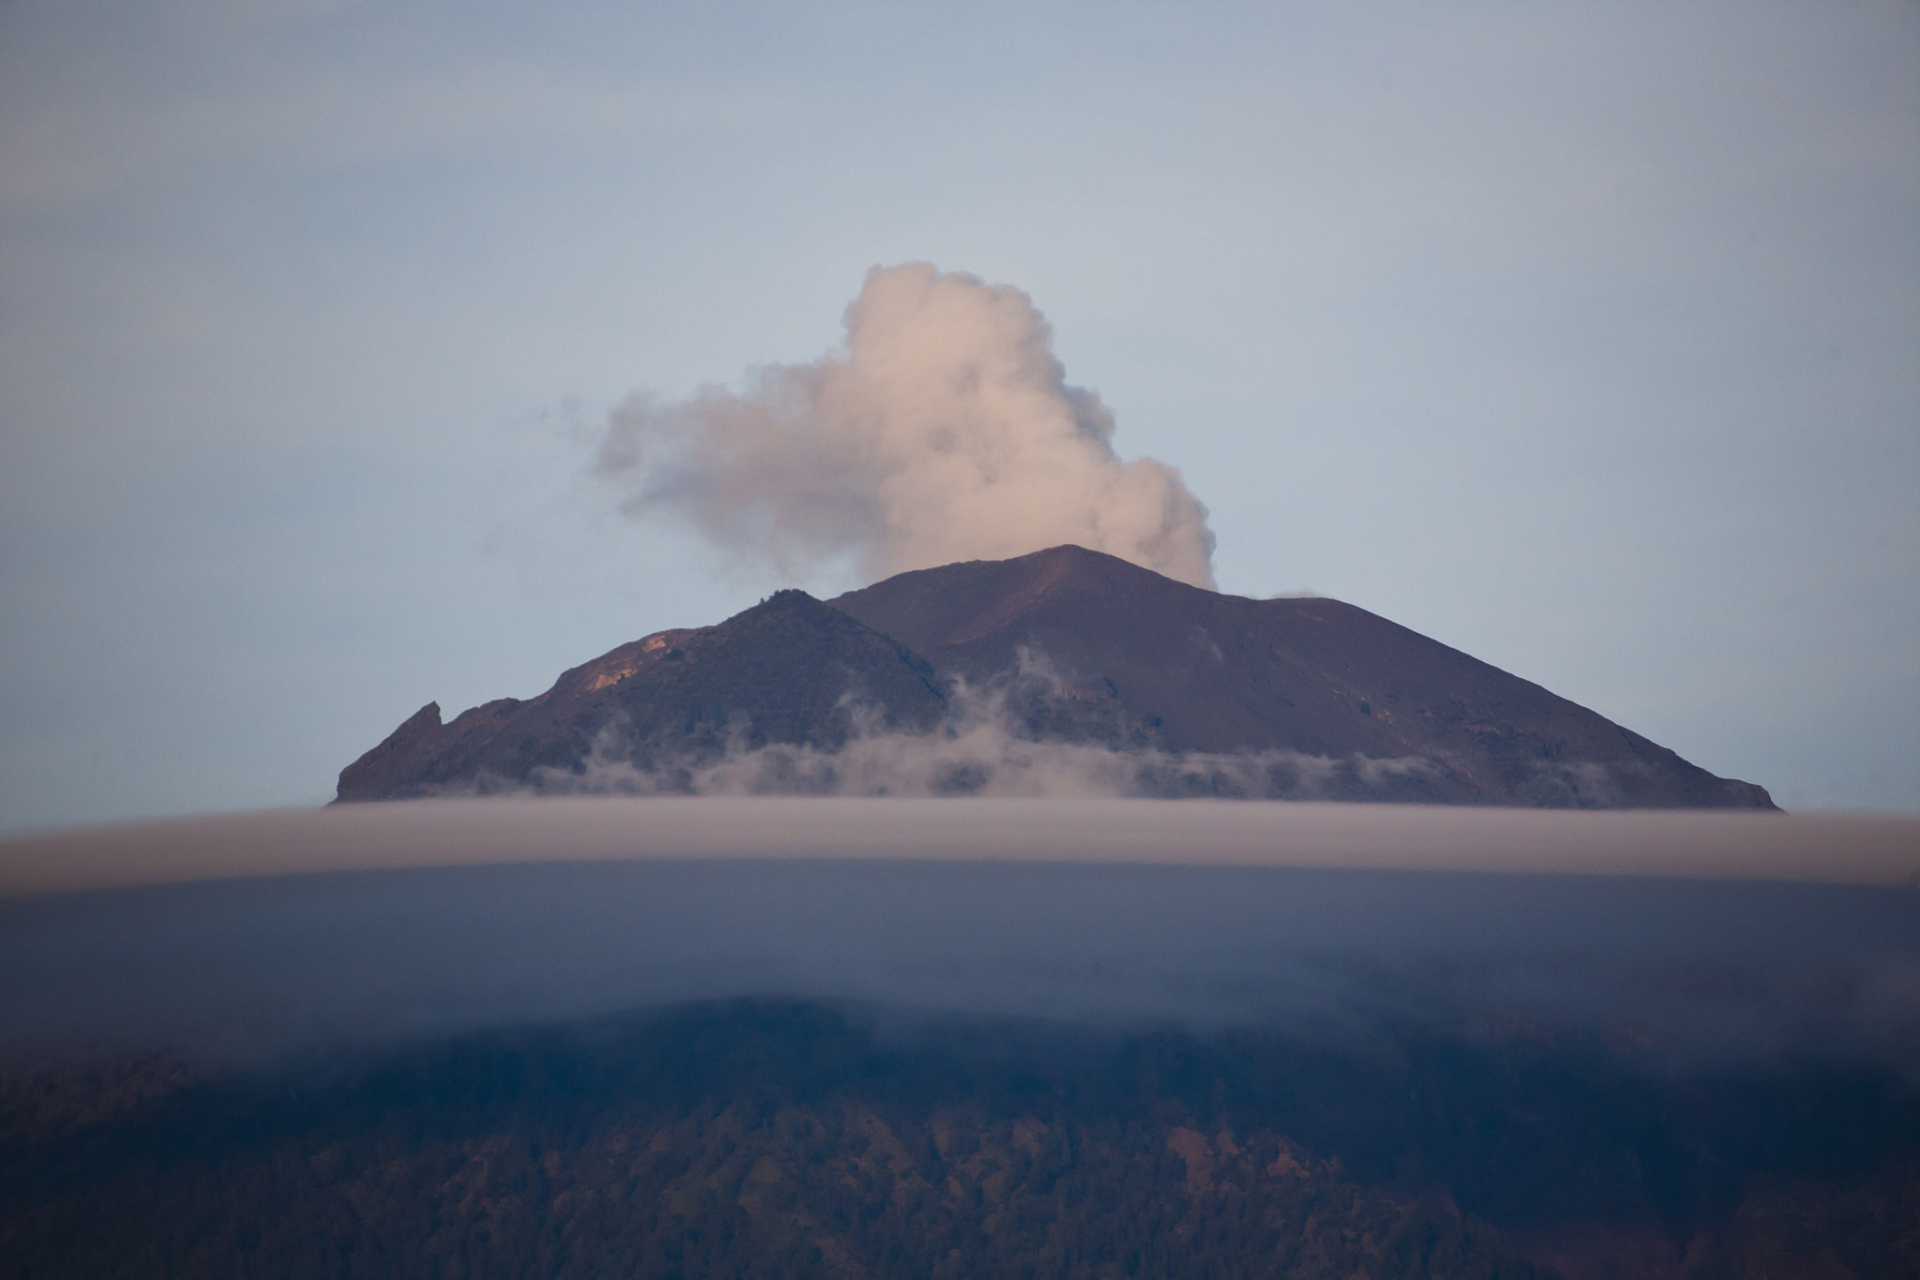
(1064, 672)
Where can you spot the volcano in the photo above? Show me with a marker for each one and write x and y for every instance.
(1206, 693)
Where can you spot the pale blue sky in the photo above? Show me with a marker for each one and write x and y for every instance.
(1583, 338)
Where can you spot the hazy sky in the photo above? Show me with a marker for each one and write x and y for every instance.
(1585, 339)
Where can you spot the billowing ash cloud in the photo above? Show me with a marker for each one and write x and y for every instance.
(945, 431)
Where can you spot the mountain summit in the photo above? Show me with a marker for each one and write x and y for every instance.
(1172, 689)
(1217, 673)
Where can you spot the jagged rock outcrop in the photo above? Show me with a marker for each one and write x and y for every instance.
(789, 670)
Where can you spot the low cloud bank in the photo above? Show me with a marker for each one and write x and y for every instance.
(1327, 919)
(1871, 850)
(1679, 973)
(944, 431)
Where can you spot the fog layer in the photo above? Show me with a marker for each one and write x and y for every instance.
(1861, 849)
(1683, 972)
(426, 917)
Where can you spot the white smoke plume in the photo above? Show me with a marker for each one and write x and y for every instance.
(944, 431)
(980, 749)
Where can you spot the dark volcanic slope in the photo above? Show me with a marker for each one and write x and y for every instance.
(775, 673)
(1200, 671)
(1307, 697)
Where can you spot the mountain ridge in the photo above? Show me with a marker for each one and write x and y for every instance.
(682, 693)
(1221, 673)
(1211, 693)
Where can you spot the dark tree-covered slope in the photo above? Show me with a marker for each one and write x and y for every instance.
(774, 1139)
(1198, 671)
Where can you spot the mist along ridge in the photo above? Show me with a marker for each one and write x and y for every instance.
(1067, 671)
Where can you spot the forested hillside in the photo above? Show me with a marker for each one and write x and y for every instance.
(765, 1139)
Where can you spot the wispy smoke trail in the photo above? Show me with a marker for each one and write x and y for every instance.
(1032, 731)
(987, 745)
(945, 431)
